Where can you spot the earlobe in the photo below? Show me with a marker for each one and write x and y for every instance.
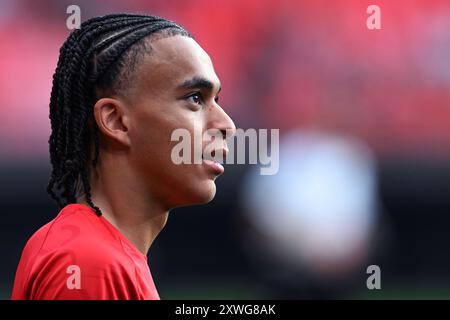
(111, 119)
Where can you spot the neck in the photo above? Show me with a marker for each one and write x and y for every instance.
(126, 207)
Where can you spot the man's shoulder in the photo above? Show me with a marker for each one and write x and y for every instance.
(75, 233)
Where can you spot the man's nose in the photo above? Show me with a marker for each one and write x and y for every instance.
(220, 120)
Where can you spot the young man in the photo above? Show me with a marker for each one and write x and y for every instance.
(123, 84)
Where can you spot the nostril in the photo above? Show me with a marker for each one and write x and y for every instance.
(224, 134)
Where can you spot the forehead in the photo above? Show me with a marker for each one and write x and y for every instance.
(174, 60)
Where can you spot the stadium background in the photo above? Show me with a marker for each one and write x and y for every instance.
(365, 147)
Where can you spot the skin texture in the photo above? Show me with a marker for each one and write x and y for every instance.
(135, 183)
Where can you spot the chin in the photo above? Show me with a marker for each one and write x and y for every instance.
(200, 193)
(206, 193)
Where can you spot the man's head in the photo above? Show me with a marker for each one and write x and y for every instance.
(123, 84)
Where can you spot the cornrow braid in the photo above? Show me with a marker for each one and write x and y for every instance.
(102, 54)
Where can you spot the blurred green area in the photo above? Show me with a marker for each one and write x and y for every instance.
(215, 290)
(210, 290)
(229, 290)
(405, 293)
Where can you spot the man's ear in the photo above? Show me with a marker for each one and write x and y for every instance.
(112, 120)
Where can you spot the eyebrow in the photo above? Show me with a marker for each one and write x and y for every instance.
(198, 83)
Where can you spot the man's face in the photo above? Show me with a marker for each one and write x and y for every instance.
(175, 87)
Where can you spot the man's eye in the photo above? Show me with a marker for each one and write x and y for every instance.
(195, 98)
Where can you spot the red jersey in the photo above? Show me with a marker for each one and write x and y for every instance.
(79, 255)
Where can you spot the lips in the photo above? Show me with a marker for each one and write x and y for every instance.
(216, 167)
(212, 164)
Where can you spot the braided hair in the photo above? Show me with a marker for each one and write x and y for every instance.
(101, 56)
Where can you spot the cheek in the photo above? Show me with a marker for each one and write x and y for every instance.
(150, 144)
(151, 156)
(152, 134)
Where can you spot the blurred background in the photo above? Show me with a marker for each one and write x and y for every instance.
(364, 173)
